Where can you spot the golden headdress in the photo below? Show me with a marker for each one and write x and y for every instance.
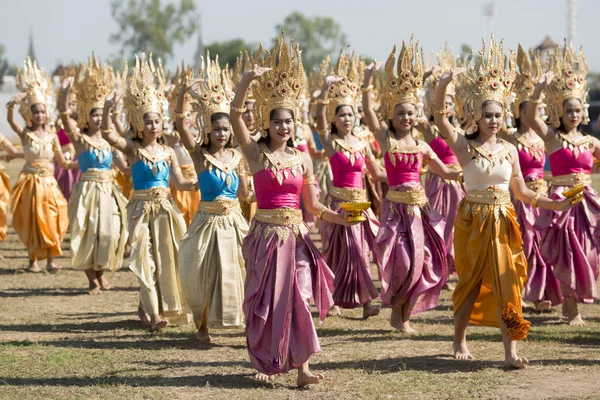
(530, 70)
(345, 92)
(489, 79)
(33, 81)
(569, 82)
(213, 94)
(282, 85)
(445, 61)
(144, 91)
(71, 71)
(406, 87)
(93, 85)
(244, 63)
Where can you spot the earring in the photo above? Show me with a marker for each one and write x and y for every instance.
(205, 138)
(140, 135)
(264, 134)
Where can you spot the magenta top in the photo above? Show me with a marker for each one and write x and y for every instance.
(345, 174)
(407, 168)
(531, 167)
(443, 151)
(303, 147)
(270, 194)
(63, 138)
(563, 162)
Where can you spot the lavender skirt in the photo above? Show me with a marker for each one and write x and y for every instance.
(347, 250)
(66, 179)
(570, 244)
(444, 197)
(284, 270)
(411, 249)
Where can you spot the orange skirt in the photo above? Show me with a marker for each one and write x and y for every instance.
(187, 201)
(39, 210)
(125, 182)
(4, 198)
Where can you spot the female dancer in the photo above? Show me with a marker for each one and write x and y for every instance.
(570, 240)
(12, 151)
(409, 245)
(347, 249)
(211, 266)
(38, 207)
(155, 224)
(284, 268)
(97, 211)
(542, 288)
(490, 262)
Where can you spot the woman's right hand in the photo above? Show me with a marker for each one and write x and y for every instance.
(113, 98)
(255, 72)
(16, 99)
(544, 81)
(450, 74)
(67, 84)
(372, 68)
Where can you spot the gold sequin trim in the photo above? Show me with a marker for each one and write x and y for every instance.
(96, 175)
(491, 196)
(538, 186)
(411, 197)
(571, 179)
(219, 207)
(348, 194)
(279, 216)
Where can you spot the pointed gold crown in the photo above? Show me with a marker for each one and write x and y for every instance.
(530, 70)
(33, 81)
(569, 82)
(173, 92)
(282, 85)
(489, 79)
(445, 60)
(144, 91)
(244, 63)
(404, 87)
(213, 94)
(93, 84)
(345, 92)
(71, 71)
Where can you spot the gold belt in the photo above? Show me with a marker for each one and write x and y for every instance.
(156, 194)
(348, 194)
(188, 171)
(219, 207)
(571, 179)
(413, 197)
(279, 216)
(41, 169)
(97, 175)
(538, 186)
(492, 196)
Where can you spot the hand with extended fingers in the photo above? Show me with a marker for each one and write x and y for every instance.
(450, 74)
(113, 98)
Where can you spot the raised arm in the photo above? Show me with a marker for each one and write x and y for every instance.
(125, 146)
(322, 101)
(10, 114)
(187, 138)
(533, 118)
(370, 116)
(64, 110)
(116, 119)
(121, 163)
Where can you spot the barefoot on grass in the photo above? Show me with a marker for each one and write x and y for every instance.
(52, 267)
(203, 336)
(104, 285)
(264, 377)
(335, 311)
(143, 317)
(370, 310)
(308, 378)
(94, 290)
(33, 267)
(461, 352)
(543, 305)
(516, 363)
(157, 326)
(396, 319)
(576, 320)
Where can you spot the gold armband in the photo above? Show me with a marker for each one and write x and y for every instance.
(461, 177)
(246, 143)
(311, 180)
(238, 110)
(535, 199)
(175, 170)
(66, 112)
(442, 111)
(321, 212)
(106, 131)
(366, 89)
(322, 101)
(517, 175)
(553, 205)
(534, 101)
(181, 114)
(115, 112)
(322, 131)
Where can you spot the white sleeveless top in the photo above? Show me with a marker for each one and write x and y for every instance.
(488, 169)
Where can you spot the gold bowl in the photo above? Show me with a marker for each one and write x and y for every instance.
(576, 192)
(355, 208)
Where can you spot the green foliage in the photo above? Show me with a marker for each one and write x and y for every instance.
(228, 51)
(146, 24)
(318, 37)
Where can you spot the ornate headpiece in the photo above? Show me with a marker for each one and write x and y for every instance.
(244, 63)
(144, 91)
(92, 86)
(530, 70)
(33, 81)
(282, 85)
(406, 87)
(488, 79)
(71, 71)
(345, 92)
(569, 82)
(212, 95)
(445, 61)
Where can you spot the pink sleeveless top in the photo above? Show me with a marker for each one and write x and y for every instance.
(280, 184)
(303, 147)
(532, 157)
(347, 164)
(403, 163)
(443, 151)
(63, 138)
(564, 162)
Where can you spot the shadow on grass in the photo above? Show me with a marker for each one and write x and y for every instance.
(53, 292)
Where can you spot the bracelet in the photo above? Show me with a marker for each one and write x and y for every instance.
(534, 101)
(553, 205)
(246, 143)
(195, 185)
(67, 164)
(106, 131)
(517, 175)
(116, 112)
(237, 109)
(443, 111)
(10, 106)
(461, 177)
(66, 112)
(321, 212)
(176, 170)
(322, 101)
(181, 114)
(535, 199)
(249, 197)
(322, 131)
(366, 89)
(192, 150)
(311, 180)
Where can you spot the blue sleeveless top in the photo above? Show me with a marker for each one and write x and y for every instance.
(97, 156)
(219, 179)
(151, 170)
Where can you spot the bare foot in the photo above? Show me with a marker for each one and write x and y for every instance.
(396, 318)
(308, 378)
(461, 351)
(406, 328)
(104, 283)
(370, 310)
(143, 317)
(94, 290)
(158, 325)
(449, 286)
(335, 311)
(203, 336)
(33, 267)
(264, 377)
(52, 267)
(576, 321)
(565, 312)
(543, 305)
(516, 363)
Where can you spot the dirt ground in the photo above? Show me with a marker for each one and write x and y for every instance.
(57, 342)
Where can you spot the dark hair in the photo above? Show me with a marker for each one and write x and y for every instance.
(391, 126)
(267, 139)
(214, 118)
(474, 135)
(337, 109)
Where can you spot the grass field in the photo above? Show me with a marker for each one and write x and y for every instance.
(57, 342)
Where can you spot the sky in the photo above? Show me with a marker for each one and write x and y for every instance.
(68, 30)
